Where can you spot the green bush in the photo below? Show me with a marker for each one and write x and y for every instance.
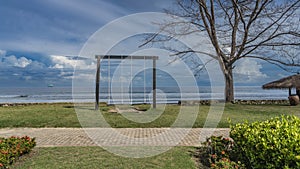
(13, 147)
(272, 144)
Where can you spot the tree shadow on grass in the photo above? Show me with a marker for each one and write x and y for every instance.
(198, 156)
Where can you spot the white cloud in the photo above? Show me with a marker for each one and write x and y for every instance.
(22, 62)
(12, 60)
(73, 68)
(37, 65)
(62, 62)
(2, 53)
(248, 70)
(66, 62)
(8, 62)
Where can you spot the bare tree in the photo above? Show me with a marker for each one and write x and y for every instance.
(261, 29)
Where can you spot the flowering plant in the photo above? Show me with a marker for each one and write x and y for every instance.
(217, 152)
(13, 147)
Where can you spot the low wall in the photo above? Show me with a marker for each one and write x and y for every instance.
(28, 104)
(261, 102)
(182, 102)
(245, 102)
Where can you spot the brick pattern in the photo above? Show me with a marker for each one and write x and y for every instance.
(55, 137)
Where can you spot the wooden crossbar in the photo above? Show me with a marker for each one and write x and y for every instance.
(126, 57)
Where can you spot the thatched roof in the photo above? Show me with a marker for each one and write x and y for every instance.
(287, 82)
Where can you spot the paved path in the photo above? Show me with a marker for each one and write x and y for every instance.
(55, 137)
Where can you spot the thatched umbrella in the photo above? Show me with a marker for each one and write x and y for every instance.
(285, 83)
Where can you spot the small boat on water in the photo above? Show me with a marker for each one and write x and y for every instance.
(50, 85)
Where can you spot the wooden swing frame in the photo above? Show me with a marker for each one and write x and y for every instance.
(121, 57)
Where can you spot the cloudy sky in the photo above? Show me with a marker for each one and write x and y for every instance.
(40, 40)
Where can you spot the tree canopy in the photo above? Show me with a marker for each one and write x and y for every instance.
(260, 29)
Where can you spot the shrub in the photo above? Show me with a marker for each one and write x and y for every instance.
(216, 153)
(227, 163)
(13, 147)
(272, 144)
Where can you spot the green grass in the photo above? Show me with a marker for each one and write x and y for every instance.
(96, 157)
(63, 115)
(44, 115)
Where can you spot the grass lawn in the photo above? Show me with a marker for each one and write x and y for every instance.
(96, 157)
(44, 115)
(63, 115)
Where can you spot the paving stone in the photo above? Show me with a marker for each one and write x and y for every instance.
(55, 137)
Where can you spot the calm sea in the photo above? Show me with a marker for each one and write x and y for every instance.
(169, 95)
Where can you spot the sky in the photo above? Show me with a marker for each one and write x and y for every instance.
(40, 42)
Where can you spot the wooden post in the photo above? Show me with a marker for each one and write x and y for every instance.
(154, 84)
(290, 91)
(97, 83)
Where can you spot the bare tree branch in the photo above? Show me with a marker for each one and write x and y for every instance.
(261, 29)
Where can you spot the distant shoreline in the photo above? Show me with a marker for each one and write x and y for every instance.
(164, 95)
(183, 102)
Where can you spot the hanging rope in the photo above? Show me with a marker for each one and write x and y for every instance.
(131, 80)
(108, 76)
(145, 99)
(109, 80)
(121, 80)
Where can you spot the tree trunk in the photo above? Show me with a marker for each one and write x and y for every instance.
(229, 90)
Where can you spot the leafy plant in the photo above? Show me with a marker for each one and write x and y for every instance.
(13, 147)
(227, 163)
(216, 153)
(272, 144)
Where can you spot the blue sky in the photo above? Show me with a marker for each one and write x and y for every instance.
(38, 39)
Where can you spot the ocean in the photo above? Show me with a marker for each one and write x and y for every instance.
(164, 95)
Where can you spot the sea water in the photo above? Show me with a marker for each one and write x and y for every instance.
(138, 95)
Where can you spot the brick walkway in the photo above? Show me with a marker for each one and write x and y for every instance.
(55, 137)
